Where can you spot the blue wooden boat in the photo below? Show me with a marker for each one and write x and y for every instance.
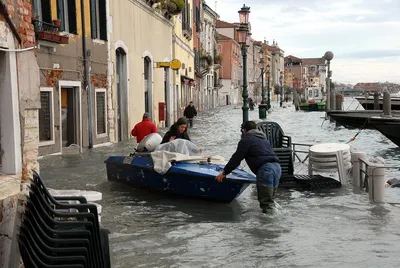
(183, 178)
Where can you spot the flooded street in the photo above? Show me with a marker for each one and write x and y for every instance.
(335, 228)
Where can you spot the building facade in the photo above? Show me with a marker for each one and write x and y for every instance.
(209, 57)
(73, 61)
(19, 112)
(230, 71)
(140, 38)
(183, 80)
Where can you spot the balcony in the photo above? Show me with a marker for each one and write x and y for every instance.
(187, 30)
(49, 32)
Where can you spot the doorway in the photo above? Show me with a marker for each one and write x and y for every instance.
(122, 95)
(70, 116)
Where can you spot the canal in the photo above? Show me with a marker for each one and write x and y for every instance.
(331, 228)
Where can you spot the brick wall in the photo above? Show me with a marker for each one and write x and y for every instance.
(23, 15)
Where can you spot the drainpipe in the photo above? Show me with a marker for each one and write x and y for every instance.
(87, 76)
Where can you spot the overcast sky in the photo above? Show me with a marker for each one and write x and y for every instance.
(364, 35)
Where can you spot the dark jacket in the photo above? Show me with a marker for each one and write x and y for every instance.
(190, 112)
(255, 148)
(173, 131)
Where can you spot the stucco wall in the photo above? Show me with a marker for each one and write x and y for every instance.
(19, 96)
(140, 31)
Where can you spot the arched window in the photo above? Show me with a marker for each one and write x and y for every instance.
(147, 85)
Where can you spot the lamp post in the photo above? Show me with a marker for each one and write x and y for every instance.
(262, 111)
(261, 64)
(243, 40)
(328, 57)
(269, 88)
(281, 81)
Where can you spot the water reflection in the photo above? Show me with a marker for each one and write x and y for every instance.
(338, 227)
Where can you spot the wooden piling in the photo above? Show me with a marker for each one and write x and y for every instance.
(376, 100)
(387, 105)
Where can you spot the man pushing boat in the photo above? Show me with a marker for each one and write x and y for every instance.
(261, 159)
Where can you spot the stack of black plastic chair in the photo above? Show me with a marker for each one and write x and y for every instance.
(55, 233)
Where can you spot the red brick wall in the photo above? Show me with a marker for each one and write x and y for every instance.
(99, 80)
(52, 76)
(22, 17)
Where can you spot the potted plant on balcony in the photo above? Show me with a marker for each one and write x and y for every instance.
(218, 59)
(173, 7)
(57, 23)
(207, 57)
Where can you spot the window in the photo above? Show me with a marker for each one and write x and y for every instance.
(66, 12)
(42, 10)
(101, 111)
(98, 19)
(46, 119)
(147, 84)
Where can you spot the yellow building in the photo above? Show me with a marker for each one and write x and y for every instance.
(141, 37)
(182, 49)
(73, 66)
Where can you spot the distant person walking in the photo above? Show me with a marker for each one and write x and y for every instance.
(144, 128)
(190, 112)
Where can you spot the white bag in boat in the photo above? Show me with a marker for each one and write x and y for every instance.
(149, 143)
(180, 146)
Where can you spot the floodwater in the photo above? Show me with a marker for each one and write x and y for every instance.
(330, 228)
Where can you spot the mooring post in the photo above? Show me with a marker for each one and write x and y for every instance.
(376, 182)
(387, 105)
(357, 166)
(376, 100)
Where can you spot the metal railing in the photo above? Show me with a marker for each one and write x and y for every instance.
(186, 28)
(295, 155)
(41, 26)
(364, 176)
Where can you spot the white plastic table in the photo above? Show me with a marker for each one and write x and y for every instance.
(330, 157)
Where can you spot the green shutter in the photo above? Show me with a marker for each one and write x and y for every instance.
(93, 18)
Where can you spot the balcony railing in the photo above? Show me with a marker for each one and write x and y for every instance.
(49, 32)
(187, 30)
(41, 26)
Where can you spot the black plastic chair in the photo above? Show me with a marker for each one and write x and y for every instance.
(88, 220)
(75, 237)
(31, 259)
(275, 134)
(102, 232)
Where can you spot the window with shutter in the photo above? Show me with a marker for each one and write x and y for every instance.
(45, 116)
(101, 116)
(66, 12)
(98, 19)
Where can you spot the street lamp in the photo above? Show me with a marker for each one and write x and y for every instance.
(262, 111)
(269, 88)
(243, 34)
(328, 57)
(262, 64)
(281, 81)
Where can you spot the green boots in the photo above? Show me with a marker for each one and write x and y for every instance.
(266, 197)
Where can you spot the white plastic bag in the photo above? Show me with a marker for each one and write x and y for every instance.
(180, 146)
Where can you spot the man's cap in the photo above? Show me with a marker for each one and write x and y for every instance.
(146, 115)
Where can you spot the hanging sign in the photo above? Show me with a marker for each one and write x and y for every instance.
(164, 64)
(175, 64)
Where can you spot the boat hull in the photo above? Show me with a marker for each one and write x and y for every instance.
(184, 179)
(389, 127)
(354, 119)
(368, 104)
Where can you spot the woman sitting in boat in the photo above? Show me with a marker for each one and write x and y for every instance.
(177, 131)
